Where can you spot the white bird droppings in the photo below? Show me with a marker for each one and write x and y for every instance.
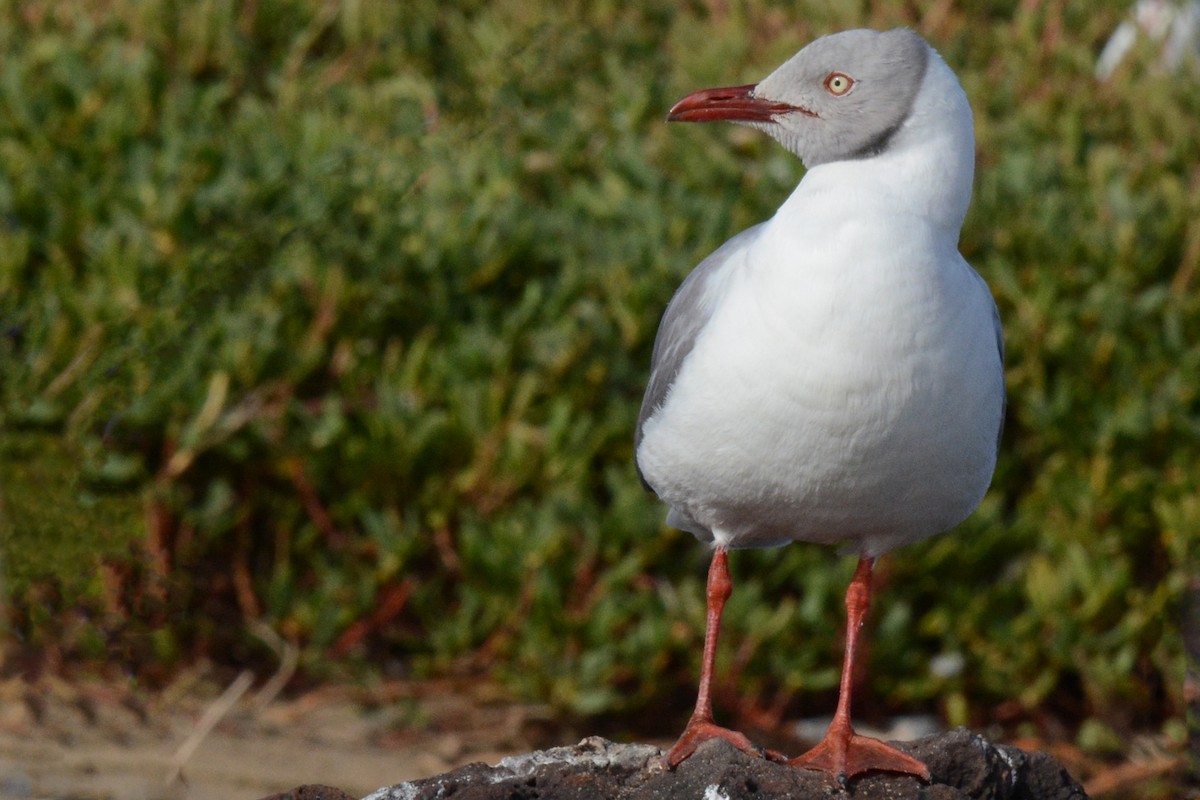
(714, 792)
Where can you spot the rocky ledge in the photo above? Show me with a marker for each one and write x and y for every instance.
(963, 765)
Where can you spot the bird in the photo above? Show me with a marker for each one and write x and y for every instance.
(834, 374)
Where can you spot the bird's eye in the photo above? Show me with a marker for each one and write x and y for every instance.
(838, 83)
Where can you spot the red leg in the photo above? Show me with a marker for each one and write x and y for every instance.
(700, 727)
(843, 753)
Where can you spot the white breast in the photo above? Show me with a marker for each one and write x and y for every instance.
(847, 389)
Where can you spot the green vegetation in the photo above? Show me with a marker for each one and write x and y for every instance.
(337, 315)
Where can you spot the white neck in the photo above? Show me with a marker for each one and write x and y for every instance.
(928, 167)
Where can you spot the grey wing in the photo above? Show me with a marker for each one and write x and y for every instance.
(1000, 347)
(686, 315)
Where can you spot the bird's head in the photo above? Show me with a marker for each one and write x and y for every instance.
(844, 96)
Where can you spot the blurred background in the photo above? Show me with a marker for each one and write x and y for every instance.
(324, 326)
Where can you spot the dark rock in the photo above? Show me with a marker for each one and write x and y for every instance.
(964, 766)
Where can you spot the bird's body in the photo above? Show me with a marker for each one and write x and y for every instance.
(834, 374)
(835, 391)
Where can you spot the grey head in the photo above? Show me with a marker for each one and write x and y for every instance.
(842, 97)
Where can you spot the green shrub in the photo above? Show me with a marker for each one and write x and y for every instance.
(341, 314)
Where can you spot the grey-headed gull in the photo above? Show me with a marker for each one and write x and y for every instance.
(834, 374)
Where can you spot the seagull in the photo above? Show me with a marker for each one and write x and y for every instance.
(834, 374)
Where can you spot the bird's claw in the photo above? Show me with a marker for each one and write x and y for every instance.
(846, 758)
(699, 731)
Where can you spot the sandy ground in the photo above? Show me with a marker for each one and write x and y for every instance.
(60, 740)
(202, 740)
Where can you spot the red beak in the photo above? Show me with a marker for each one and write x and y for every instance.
(734, 103)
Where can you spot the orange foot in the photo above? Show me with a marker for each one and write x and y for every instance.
(699, 731)
(843, 757)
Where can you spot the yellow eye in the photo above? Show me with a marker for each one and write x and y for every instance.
(837, 83)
